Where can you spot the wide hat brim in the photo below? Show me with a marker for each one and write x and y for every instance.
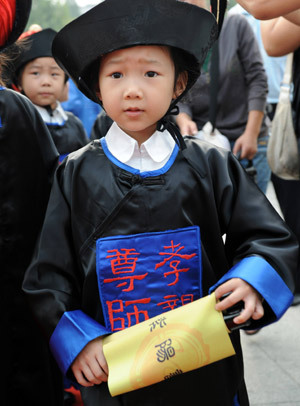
(117, 24)
(23, 8)
(38, 45)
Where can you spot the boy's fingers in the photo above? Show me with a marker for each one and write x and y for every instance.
(253, 310)
(258, 312)
(98, 374)
(103, 364)
(81, 379)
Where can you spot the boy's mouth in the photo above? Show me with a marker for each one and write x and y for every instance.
(133, 111)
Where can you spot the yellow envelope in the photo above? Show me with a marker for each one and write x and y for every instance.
(172, 343)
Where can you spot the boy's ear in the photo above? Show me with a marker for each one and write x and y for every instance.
(98, 93)
(180, 84)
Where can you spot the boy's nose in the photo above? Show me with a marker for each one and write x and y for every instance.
(133, 92)
(46, 80)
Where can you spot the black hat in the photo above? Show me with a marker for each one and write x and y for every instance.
(116, 24)
(23, 8)
(38, 45)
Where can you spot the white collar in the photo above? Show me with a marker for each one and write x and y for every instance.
(159, 146)
(58, 115)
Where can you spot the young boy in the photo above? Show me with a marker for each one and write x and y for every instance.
(122, 231)
(38, 76)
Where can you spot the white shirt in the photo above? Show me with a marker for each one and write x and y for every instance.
(153, 154)
(58, 115)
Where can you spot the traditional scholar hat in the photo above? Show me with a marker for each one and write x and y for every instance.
(14, 15)
(117, 24)
(38, 45)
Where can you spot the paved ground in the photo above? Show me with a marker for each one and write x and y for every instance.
(272, 358)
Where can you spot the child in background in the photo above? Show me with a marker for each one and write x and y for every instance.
(28, 158)
(38, 76)
(137, 218)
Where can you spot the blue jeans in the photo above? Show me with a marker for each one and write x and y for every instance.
(260, 163)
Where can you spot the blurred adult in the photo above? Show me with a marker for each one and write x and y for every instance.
(274, 66)
(241, 98)
(281, 37)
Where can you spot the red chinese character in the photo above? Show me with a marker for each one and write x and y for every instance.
(175, 249)
(187, 298)
(124, 262)
(118, 323)
(136, 312)
(171, 301)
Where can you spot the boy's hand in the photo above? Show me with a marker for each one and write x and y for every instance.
(90, 367)
(240, 290)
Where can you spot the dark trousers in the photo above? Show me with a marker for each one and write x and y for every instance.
(288, 196)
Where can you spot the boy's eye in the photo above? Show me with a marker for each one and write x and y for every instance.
(34, 73)
(116, 75)
(151, 74)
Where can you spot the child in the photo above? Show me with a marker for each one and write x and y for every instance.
(121, 238)
(28, 158)
(38, 76)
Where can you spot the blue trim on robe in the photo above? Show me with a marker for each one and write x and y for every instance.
(134, 171)
(73, 332)
(263, 277)
(62, 157)
(235, 401)
(57, 124)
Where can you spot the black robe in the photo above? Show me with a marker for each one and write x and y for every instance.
(69, 136)
(28, 158)
(95, 198)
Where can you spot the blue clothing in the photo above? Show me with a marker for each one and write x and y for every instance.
(260, 163)
(85, 109)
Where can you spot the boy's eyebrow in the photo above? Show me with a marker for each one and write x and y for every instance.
(116, 61)
(37, 66)
(34, 66)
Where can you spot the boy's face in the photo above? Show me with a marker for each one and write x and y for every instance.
(43, 81)
(136, 88)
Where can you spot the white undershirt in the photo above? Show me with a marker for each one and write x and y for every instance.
(58, 115)
(153, 154)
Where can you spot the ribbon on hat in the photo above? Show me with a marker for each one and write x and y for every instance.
(165, 123)
(7, 18)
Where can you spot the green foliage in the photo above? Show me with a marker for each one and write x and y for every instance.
(53, 13)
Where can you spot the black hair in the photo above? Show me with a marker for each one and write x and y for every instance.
(7, 58)
(183, 62)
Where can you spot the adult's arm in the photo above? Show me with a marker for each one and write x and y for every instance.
(280, 36)
(257, 87)
(267, 9)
